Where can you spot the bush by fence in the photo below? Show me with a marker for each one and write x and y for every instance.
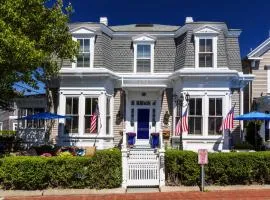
(30, 173)
(223, 168)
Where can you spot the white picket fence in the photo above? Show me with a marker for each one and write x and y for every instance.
(143, 168)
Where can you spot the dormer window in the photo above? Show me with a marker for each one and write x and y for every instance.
(143, 53)
(86, 39)
(143, 58)
(83, 59)
(206, 47)
(206, 53)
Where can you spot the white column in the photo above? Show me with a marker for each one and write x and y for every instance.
(61, 111)
(124, 168)
(161, 168)
(205, 110)
(81, 113)
(102, 112)
(241, 113)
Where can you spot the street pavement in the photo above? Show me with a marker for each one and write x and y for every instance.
(258, 194)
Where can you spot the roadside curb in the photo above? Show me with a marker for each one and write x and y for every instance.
(63, 192)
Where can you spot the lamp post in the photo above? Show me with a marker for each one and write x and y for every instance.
(179, 104)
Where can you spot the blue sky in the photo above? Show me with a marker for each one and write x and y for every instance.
(253, 18)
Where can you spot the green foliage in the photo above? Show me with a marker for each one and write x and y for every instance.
(7, 133)
(31, 173)
(32, 35)
(181, 167)
(65, 154)
(222, 169)
(244, 145)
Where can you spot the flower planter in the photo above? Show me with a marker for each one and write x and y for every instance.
(166, 134)
(131, 138)
(154, 140)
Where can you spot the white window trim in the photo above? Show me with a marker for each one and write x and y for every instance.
(197, 48)
(14, 126)
(268, 80)
(92, 44)
(101, 96)
(144, 39)
(205, 96)
(207, 111)
(84, 33)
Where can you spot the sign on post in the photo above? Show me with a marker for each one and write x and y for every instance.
(202, 160)
(203, 157)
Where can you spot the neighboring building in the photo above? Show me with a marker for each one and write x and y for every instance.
(24, 106)
(7, 119)
(257, 97)
(133, 71)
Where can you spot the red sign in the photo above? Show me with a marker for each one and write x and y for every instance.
(202, 157)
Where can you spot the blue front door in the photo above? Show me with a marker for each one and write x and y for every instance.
(143, 124)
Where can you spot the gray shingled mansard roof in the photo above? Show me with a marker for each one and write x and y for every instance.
(149, 27)
(145, 27)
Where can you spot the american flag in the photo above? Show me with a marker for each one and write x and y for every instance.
(182, 124)
(227, 123)
(94, 120)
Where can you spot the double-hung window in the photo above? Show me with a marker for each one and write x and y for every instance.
(215, 116)
(206, 39)
(195, 116)
(83, 59)
(72, 108)
(205, 52)
(143, 58)
(91, 108)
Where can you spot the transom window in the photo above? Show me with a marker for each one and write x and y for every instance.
(143, 58)
(91, 106)
(215, 116)
(72, 108)
(205, 53)
(83, 59)
(195, 116)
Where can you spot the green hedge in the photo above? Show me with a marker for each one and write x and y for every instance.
(31, 173)
(7, 133)
(223, 168)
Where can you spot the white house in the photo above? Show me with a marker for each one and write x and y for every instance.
(133, 72)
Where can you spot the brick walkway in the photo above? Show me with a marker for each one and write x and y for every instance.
(224, 195)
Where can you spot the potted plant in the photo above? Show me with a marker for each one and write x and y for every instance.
(154, 140)
(131, 138)
(166, 134)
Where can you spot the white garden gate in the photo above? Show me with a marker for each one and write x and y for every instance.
(143, 168)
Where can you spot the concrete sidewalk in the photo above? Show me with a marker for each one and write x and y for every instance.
(66, 192)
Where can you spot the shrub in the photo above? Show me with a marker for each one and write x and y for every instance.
(31, 173)
(65, 154)
(244, 145)
(222, 169)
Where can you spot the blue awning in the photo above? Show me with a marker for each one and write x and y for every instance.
(253, 116)
(43, 115)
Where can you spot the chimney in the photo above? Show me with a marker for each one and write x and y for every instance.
(189, 20)
(103, 20)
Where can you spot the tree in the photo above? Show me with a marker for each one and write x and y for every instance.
(32, 36)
